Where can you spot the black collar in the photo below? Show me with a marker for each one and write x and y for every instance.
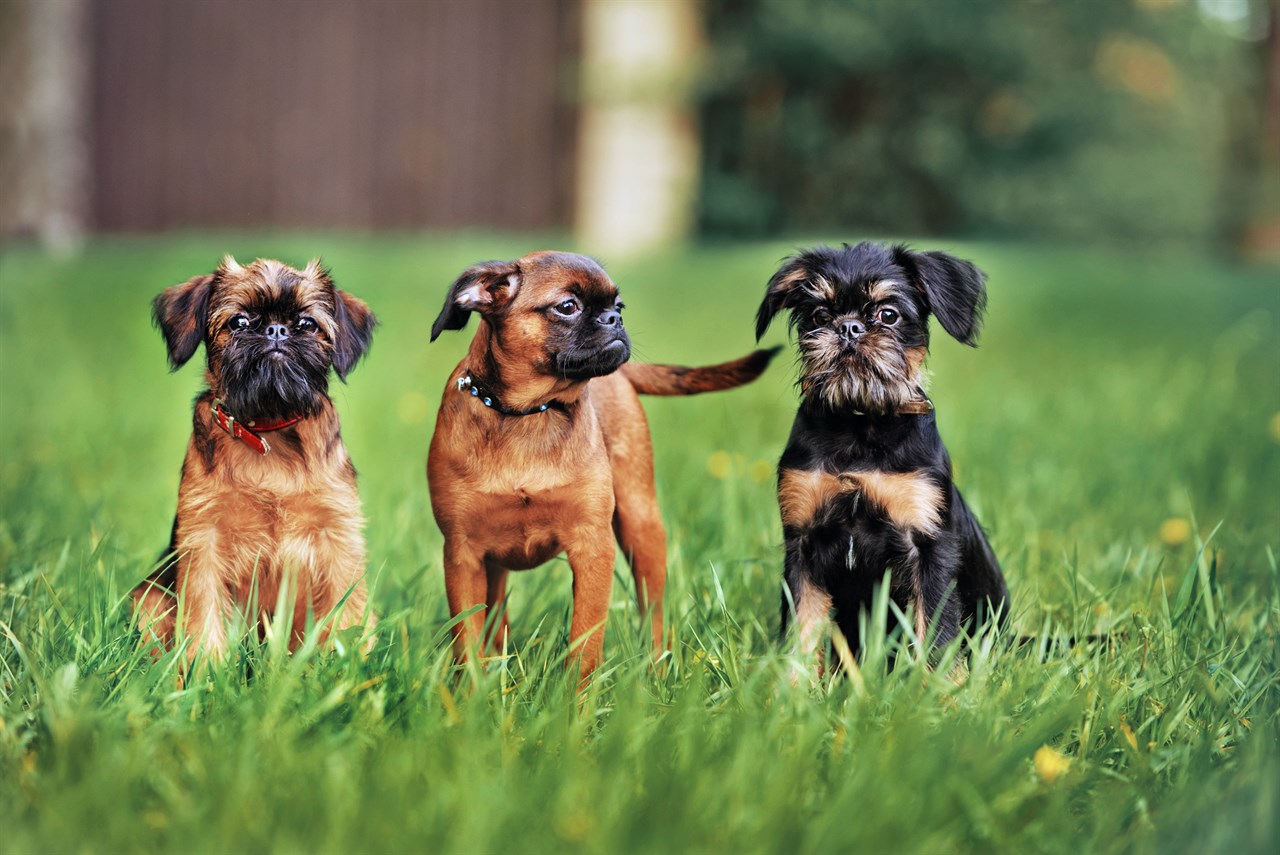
(467, 383)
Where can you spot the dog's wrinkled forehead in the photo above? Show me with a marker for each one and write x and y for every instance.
(270, 288)
(568, 271)
(866, 273)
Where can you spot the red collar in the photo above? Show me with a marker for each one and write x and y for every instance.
(241, 430)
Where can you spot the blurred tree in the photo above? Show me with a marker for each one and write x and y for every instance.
(998, 117)
(1251, 193)
(43, 152)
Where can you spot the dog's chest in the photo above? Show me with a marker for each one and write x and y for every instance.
(522, 474)
(255, 532)
(526, 521)
(907, 501)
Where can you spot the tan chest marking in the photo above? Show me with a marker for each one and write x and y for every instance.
(801, 492)
(910, 499)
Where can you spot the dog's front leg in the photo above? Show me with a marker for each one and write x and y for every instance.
(328, 561)
(813, 613)
(466, 584)
(206, 606)
(496, 606)
(591, 560)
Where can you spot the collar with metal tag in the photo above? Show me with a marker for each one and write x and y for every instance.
(919, 407)
(248, 432)
(467, 384)
(915, 407)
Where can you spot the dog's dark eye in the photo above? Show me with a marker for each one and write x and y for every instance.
(568, 308)
(238, 322)
(306, 324)
(821, 317)
(888, 317)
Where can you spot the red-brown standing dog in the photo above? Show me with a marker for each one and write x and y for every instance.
(541, 446)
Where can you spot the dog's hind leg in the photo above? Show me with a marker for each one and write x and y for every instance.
(638, 526)
(637, 522)
(156, 609)
(980, 583)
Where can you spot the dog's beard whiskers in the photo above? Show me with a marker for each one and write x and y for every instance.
(256, 385)
(876, 378)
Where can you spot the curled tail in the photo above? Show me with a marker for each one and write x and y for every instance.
(682, 380)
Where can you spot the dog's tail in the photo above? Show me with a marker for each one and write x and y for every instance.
(682, 380)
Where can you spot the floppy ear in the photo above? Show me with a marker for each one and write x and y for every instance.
(956, 290)
(353, 331)
(488, 288)
(182, 314)
(782, 286)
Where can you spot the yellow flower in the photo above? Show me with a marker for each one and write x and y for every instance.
(761, 471)
(1050, 763)
(413, 408)
(719, 464)
(1175, 531)
(1129, 736)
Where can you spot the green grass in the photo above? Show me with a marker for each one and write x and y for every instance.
(1112, 393)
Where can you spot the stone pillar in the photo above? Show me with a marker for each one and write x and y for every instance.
(638, 139)
(44, 155)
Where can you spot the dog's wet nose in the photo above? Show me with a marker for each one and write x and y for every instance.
(610, 319)
(277, 332)
(851, 329)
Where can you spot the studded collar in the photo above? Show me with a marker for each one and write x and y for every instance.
(467, 384)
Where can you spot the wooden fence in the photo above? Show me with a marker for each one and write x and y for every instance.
(326, 113)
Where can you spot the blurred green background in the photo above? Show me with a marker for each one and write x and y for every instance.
(1120, 121)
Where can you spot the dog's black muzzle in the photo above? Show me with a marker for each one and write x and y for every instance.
(582, 364)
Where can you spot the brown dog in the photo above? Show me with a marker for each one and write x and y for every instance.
(541, 445)
(268, 493)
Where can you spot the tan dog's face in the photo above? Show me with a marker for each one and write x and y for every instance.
(271, 334)
(556, 312)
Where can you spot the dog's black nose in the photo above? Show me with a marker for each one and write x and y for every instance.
(277, 332)
(851, 329)
(609, 319)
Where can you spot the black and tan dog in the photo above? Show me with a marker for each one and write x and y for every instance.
(268, 492)
(864, 484)
(541, 445)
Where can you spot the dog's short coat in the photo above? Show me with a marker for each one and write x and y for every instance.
(268, 493)
(864, 485)
(541, 446)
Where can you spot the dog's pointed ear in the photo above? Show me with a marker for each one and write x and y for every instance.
(955, 289)
(782, 286)
(182, 314)
(488, 288)
(353, 331)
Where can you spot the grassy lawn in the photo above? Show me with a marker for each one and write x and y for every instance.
(1118, 432)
